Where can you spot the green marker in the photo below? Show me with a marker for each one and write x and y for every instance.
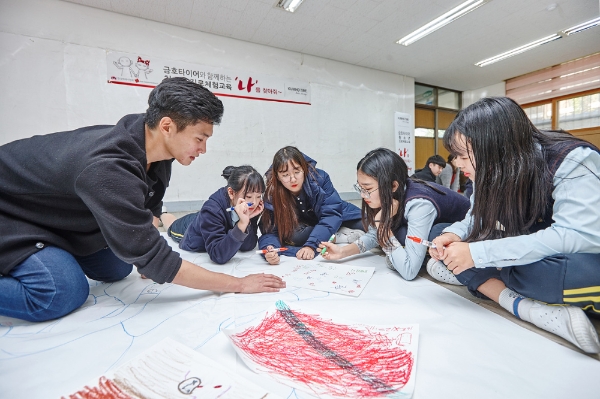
(325, 248)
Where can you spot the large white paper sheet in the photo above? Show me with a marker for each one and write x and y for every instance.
(327, 358)
(465, 351)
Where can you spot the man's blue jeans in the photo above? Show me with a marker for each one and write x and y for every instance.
(51, 283)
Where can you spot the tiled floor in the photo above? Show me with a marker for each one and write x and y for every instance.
(491, 306)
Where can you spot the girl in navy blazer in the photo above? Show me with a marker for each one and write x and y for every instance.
(217, 229)
(303, 208)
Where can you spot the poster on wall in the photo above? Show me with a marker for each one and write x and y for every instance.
(405, 139)
(146, 71)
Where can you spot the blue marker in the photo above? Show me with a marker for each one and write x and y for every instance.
(233, 207)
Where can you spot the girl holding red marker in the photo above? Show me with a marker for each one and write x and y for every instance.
(530, 240)
(303, 208)
(217, 229)
(394, 206)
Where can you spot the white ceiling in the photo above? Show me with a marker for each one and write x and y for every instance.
(363, 32)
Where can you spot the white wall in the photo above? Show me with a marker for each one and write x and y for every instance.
(53, 68)
(495, 90)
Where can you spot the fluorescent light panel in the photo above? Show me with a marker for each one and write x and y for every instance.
(518, 50)
(289, 5)
(441, 21)
(547, 39)
(582, 27)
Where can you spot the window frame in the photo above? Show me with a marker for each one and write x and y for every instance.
(555, 100)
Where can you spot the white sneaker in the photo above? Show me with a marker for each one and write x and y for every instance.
(440, 272)
(341, 238)
(346, 235)
(354, 235)
(389, 263)
(567, 322)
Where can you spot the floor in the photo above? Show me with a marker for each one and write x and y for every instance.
(490, 305)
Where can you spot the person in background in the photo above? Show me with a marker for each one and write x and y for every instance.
(450, 176)
(303, 208)
(433, 168)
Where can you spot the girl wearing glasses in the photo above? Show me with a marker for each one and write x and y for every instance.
(217, 229)
(395, 206)
(303, 208)
(530, 241)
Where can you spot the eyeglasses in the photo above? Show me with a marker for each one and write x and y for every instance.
(363, 192)
(287, 177)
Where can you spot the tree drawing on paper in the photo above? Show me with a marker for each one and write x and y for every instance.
(328, 358)
(106, 389)
(170, 370)
(109, 389)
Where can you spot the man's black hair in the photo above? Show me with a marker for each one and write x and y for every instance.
(436, 159)
(185, 102)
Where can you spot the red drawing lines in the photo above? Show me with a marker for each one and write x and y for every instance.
(328, 358)
(106, 389)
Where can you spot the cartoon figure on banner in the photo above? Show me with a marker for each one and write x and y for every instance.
(125, 62)
(143, 66)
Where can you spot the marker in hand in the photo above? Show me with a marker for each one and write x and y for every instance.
(422, 241)
(233, 207)
(325, 248)
(264, 251)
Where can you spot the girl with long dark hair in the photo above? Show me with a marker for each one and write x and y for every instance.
(303, 208)
(394, 206)
(219, 230)
(531, 239)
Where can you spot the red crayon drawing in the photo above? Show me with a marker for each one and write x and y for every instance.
(106, 389)
(328, 358)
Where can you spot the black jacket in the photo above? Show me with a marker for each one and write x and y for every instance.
(424, 174)
(81, 191)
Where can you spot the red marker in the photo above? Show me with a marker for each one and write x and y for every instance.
(264, 251)
(422, 241)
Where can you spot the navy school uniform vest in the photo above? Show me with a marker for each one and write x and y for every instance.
(450, 206)
(555, 155)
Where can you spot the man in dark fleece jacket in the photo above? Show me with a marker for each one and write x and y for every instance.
(433, 168)
(82, 203)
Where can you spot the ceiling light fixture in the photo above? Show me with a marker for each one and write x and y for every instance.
(289, 5)
(582, 27)
(518, 50)
(443, 20)
(564, 33)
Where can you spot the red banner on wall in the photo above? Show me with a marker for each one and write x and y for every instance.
(145, 71)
